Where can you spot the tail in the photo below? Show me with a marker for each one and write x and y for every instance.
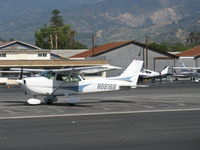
(132, 72)
(181, 63)
(165, 70)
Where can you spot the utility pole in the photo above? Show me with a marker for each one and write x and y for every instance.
(93, 44)
(146, 53)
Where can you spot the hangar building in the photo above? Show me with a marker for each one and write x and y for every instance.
(123, 52)
(191, 57)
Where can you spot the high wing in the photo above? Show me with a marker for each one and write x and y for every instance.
(190, 68)
(72, 70)
(85, 70)
(13, 71)
(183, 67)
(28, 70)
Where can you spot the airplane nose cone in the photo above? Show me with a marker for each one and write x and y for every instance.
(21, 81)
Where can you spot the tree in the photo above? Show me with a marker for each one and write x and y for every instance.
(56, 20)
(43, 37)
(178, 47)
(57, 35)
(193, 39)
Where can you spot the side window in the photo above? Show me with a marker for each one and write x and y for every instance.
(75, 78)
(51, 76)
(42, 54)
(2, 54)
(68, 78)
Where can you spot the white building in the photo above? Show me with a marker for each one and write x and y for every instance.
(18, 50)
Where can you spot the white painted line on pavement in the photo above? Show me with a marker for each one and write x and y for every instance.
(101, 113)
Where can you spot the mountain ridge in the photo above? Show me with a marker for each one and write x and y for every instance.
(114, 20)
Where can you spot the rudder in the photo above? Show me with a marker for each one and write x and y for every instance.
(132, 71)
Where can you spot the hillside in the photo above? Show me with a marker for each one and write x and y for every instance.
(111, 20)
(163, 20)
(19, 19)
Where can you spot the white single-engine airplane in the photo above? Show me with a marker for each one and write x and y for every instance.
(68, 82)
(186, 72)
(149, 74)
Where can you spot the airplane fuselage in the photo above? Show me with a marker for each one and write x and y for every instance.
(45, 86)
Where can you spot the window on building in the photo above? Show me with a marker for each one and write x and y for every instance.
(42, 54)
(2, 54)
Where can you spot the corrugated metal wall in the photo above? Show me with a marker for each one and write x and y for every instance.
(123, 56)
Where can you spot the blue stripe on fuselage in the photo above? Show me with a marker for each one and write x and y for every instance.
(75, 88)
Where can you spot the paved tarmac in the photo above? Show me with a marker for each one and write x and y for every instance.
(181, 95)
(163, 116)
(140, 131)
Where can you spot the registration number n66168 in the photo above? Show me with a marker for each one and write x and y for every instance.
(105, 86)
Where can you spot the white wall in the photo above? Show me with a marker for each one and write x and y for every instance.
(24, 56)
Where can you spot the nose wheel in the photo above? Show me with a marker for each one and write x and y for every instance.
(34, 101)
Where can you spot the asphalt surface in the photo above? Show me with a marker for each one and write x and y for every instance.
(145, 131)
(181, 95)
(162, 116)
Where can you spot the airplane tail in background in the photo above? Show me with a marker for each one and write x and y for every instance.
(181, 63)
(132, 72)
(165, 70)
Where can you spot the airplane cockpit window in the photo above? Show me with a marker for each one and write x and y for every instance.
(75, 78)
(71, 78)
(48, 74)
(51, 75)
(148, 72)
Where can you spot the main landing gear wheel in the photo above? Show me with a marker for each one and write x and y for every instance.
(50, 99)
(72, 100)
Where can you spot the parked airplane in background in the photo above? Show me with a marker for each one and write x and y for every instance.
(186, 72)
(149, 74)
(68, 82)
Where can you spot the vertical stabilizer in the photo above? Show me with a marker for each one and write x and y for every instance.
(165, 71)
(132, 71)
(181, 63)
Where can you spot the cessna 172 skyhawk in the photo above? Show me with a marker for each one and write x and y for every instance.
(68, 82)
(149, 74)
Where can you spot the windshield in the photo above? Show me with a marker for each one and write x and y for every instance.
(71, 78)
(48, 74)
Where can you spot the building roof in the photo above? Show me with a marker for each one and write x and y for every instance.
(100, 49)
(13, 45)
(112, 46)
(25, 50)
(66, 53)
(50, 63)
(193, 52)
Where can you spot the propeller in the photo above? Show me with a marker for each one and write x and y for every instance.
(21, 73)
